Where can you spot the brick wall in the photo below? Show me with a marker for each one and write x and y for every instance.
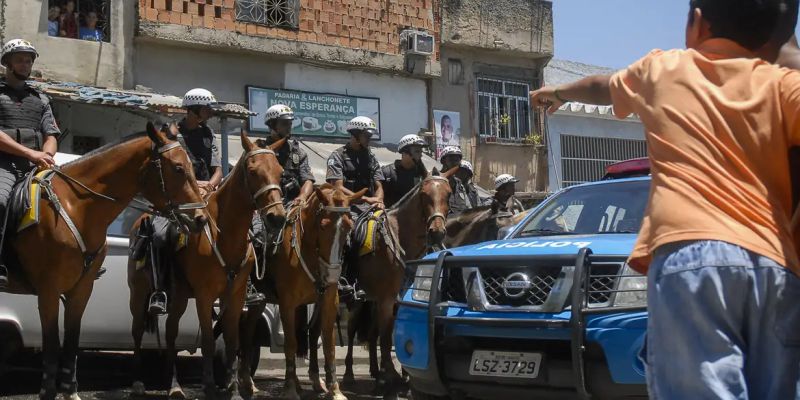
(373, 25)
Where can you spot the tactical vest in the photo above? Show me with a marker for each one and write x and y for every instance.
(289, 158)
(458, 198)
(199, 148)
(395, 188)
(22, 118)
(356, 176)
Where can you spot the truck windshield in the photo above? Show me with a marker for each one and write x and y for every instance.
(608, 208)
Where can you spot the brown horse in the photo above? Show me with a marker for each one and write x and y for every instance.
(306, 270)
(91, 192)
(474, 225)
(381, 273)
(214, 264)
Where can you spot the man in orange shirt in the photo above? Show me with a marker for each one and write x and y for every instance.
(723, 270)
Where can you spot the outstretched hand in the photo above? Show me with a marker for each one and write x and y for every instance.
(546, 97)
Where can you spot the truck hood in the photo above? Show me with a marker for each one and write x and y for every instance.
(605, 244)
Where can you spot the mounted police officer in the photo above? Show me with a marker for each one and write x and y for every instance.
(451, 158)
(199, 141)
(353, 168)
(297, 181)
(404, 174)
(465, 174)
(505, 190)
(28, 130)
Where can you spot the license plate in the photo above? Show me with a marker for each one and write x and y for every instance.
(507, 364)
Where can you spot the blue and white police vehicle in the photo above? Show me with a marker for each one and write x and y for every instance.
(552, 309)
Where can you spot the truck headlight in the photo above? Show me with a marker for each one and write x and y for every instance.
(635, 285)
(421, 290)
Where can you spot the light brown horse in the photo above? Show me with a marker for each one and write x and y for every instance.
(214, 264)
(474, 225)
(306, 270)
(413, 225)
(92, 192)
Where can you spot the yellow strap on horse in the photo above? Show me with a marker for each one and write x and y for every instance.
(31, 217)
(369, 239)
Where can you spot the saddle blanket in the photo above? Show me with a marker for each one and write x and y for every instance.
(367, 234)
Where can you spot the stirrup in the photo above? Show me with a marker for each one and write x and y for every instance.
(254, 297)
(158, 303)
(3, 277)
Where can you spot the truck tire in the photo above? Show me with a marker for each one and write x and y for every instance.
(417, 395)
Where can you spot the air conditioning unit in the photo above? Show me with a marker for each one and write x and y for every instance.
(419, 43)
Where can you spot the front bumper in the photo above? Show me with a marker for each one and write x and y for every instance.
(586, 353)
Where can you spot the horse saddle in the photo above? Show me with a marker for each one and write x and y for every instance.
(161, 235)
(23, 207)
(366, 231)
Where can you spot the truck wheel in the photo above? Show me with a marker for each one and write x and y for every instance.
(417, 395)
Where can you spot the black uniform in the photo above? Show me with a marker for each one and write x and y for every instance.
(459, 201)
(25, 116)
(200, 144)
(398, 181)
(296, 171)
(358, 170)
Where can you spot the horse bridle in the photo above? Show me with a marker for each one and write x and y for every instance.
(264, 189)
(332, 263)
(436, 215)
(172, 209)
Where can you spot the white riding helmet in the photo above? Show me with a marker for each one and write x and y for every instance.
(17, 46)
(467, 166)
(279, 111)
(409, 140)
(503, 179)
(450, 151)
(359, 124)
(198, 97)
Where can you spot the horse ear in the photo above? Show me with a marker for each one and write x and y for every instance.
(321, 195)
(247, 144)
(357, 195)
(155, 135)
(277, 145)
(172, 131)
(435, 172)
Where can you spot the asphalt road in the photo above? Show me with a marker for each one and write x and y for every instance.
(106, 376)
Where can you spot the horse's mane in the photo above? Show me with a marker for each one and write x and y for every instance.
(100, 150)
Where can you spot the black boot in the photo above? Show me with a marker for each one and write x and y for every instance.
(158, 303)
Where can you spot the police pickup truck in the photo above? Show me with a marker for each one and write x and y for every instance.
(552, 309)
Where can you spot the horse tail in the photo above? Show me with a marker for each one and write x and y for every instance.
(301, 331)
(363, 321)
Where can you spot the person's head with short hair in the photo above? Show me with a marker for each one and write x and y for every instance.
(18, 58)
(91, 20)
(69, 6)
(199, 104)
(752, 24)
(53, 13)
(410, 148)
(446, 125)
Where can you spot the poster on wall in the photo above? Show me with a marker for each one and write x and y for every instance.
(448, 129)
(316, 114)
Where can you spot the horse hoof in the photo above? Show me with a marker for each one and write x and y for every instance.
(73, 396)
(176, 393)
(349, 378)
(338, 396)
(236, 397)
(138, 389)
(319, 385)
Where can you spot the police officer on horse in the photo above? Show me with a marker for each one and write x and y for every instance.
(28, 130)
(198, 139)
(459, 202)
(404, 174)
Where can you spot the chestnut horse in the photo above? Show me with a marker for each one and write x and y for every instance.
(214, 264)
(82, 199)
(381, 273)
(306, 270)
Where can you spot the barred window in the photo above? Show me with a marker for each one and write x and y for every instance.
(79, 19)
(276, 13)
(504, 111)
(584, 158)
